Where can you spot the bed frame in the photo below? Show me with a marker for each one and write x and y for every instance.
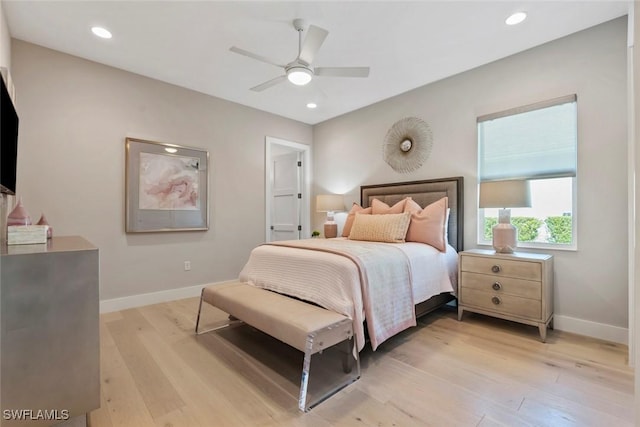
(425, 193)
(305, 331)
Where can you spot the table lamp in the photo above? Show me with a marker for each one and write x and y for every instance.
(505, 195)
(330, 203)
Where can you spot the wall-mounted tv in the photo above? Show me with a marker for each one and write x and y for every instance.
(8, 142)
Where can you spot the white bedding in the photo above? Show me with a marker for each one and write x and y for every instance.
(433, 272)
(333, 281)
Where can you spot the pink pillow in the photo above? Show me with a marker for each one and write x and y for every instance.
(356, 208)
(428, 225)
(381, 208)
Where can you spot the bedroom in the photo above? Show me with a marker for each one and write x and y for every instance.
(97, 106)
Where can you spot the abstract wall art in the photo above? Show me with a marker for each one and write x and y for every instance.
(166, 187)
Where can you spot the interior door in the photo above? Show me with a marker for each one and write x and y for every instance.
(286, 196)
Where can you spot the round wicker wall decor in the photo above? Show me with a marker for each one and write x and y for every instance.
(407, 144)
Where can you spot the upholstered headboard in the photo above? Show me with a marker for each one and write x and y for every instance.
(424, 193)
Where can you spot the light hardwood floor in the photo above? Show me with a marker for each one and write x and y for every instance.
(479, 372)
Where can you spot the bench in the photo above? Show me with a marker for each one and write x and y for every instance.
(306, 327)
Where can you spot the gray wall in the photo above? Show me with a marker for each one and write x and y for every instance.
(5, 41)
(74, 117)
(591, 283)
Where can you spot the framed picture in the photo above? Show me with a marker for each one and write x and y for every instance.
(166, 187)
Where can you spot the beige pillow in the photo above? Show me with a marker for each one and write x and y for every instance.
(428, 225)
(356, 208)
(390, 228)
(381, 208)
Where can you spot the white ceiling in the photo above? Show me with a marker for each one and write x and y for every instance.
(406, 44)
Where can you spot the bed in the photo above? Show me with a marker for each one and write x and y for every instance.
(383, 287)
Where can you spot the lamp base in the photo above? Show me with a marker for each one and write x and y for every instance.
(330, 230)
(505, 238)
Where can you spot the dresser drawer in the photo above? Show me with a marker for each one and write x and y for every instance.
(501, 267)
(502, 285)
(507, 304)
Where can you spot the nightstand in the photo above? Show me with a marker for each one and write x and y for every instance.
(516, 287)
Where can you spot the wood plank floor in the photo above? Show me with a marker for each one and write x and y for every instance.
(479, 372)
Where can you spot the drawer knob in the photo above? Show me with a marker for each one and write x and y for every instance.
(496, 300)
(496, 286)
(496, 268)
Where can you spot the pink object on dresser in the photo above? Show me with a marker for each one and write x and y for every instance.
(43, 221)
(19, 215)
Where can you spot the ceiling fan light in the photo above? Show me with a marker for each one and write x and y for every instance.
(299, 76)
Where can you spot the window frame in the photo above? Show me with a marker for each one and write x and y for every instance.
(573, 246)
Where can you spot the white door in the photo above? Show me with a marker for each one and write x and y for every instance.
(286, 196)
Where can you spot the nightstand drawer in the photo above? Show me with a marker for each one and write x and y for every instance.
(507, 304)
(501, 267)
(502, 285)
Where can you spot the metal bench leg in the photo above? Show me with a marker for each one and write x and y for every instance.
(232, 320)
(347, 359)
(304, 402)
(199, 311)
(304, 382)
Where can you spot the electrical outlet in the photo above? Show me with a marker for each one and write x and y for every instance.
(187, 265)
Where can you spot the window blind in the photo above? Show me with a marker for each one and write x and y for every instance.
(532, 142)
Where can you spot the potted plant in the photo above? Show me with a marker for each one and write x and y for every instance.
(315, 234)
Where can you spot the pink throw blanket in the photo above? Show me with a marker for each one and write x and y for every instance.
(385, 282)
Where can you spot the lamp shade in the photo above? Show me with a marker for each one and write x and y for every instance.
(505, 194)
(330, 203)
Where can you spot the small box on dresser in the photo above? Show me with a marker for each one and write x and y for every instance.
(27, 234)
(516, 287)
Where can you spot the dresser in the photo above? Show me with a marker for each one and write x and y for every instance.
(516, 287)
(50, 338)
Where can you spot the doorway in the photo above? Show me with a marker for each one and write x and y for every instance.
(287, 190)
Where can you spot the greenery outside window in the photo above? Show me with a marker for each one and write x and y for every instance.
(537, 143)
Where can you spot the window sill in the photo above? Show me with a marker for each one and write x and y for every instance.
(537, 246)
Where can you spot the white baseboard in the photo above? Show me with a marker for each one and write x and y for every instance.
(116, 304)
(591, 329)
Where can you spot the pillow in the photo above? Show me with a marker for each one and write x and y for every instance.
(356, 208)
(446, 225)
(381, 208)
(428, 225)
(390, 228)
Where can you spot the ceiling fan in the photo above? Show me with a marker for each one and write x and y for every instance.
(299, 71)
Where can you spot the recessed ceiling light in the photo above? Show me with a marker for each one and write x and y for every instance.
(312, 105)
(516, 18)
(101, 32)
(171, 150)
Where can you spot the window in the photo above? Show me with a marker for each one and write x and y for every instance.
(537, 143)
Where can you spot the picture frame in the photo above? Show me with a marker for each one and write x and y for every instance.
(166, 187)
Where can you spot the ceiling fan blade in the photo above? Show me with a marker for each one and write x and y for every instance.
(268, 84)
(312, 43)
(342, 71)
(254, 56)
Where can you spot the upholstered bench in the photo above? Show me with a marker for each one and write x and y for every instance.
(306, 327)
